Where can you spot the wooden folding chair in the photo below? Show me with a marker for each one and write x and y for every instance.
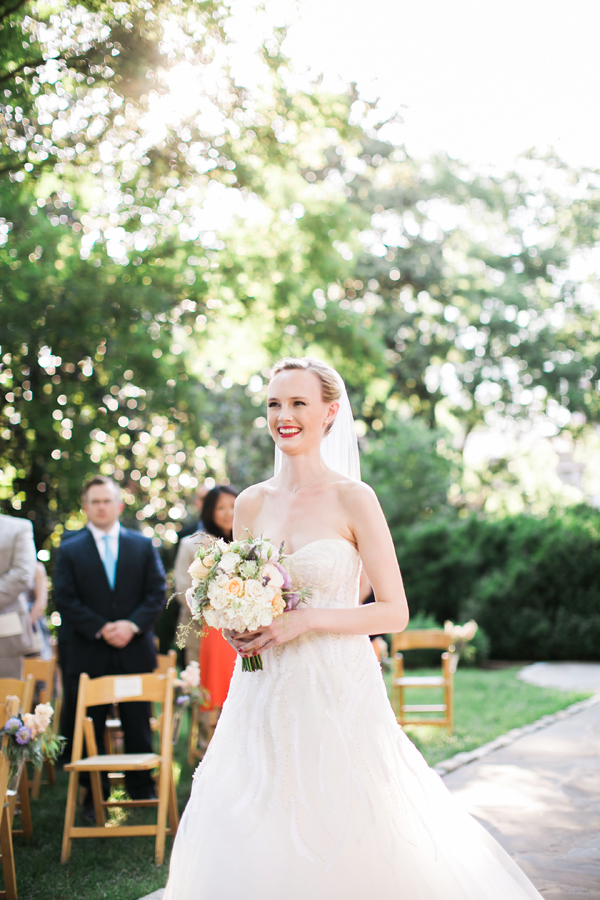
(412, 714)
(122, 689)
(7, 709)
(23, 690)
(113, 734)
(165, 661)
(43, 671)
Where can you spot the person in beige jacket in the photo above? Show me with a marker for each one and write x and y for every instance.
(183, 581)
(17, 566)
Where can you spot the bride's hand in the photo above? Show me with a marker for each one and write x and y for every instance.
(282, 629)
(237, 639)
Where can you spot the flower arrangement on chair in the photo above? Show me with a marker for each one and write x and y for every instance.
(30, 739)
(189, 694)
(462, 635)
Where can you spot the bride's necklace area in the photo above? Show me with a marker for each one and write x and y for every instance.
(302, 486)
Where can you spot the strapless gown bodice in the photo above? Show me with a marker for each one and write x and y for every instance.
(310, 789)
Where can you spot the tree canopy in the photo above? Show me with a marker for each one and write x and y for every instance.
(160, 245)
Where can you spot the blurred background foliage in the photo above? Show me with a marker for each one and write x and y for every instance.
(168, 229)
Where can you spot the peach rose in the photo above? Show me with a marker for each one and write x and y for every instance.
(278, 604)
(235, 587)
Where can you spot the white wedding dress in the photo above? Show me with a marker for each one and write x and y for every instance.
(311, 791)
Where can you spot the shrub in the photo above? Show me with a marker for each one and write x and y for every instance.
(532, 585)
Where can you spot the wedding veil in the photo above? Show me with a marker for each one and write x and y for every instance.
(339, 448)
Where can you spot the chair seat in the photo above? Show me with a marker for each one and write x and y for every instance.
(424, 707)
(420, 681)
(115, 762)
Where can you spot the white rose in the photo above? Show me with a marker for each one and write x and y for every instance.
(201, 567)
(274, 575)
(211, 617)
(222, 579)
(229, 561)
(270, 593)
(253, 589)
(217, 595)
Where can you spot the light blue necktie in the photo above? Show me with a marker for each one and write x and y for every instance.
(110, 563)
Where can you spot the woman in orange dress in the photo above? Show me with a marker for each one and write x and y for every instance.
(217, 657)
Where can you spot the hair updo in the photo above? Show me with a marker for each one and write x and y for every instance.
(328, 377)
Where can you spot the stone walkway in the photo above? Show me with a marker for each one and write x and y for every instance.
(563, 675)
(539, 796)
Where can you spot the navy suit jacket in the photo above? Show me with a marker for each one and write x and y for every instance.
(86, 602)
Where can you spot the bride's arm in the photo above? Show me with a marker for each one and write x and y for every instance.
(374, 541)
(377, 552)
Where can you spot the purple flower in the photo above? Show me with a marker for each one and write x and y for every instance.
(23, 735)
(287, 581)
(292, 600)
(13, 725)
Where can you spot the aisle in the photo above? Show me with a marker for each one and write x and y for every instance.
(540, 798)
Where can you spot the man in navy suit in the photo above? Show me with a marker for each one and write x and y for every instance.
(109, 588)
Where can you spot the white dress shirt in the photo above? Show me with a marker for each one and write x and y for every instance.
(113, 535)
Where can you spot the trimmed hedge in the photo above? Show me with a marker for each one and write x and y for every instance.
(533, 585)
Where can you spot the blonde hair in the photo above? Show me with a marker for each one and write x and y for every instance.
(329, 379)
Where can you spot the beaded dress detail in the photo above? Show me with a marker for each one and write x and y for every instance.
(310, 790)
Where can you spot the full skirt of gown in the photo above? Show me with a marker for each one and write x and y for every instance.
(310, 790)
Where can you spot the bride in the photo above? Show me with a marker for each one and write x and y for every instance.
(310, 790)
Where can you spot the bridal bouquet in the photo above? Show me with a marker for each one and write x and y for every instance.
(241, 586)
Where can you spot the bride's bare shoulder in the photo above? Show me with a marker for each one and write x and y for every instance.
(354, 493)
(252, 498)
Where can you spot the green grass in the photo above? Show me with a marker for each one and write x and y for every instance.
(487, 703)
(99, 869)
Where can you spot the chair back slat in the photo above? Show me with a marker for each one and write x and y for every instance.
(427, 638)
(42, 670)
(13, 687)
(165, 661)
(125, 689)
